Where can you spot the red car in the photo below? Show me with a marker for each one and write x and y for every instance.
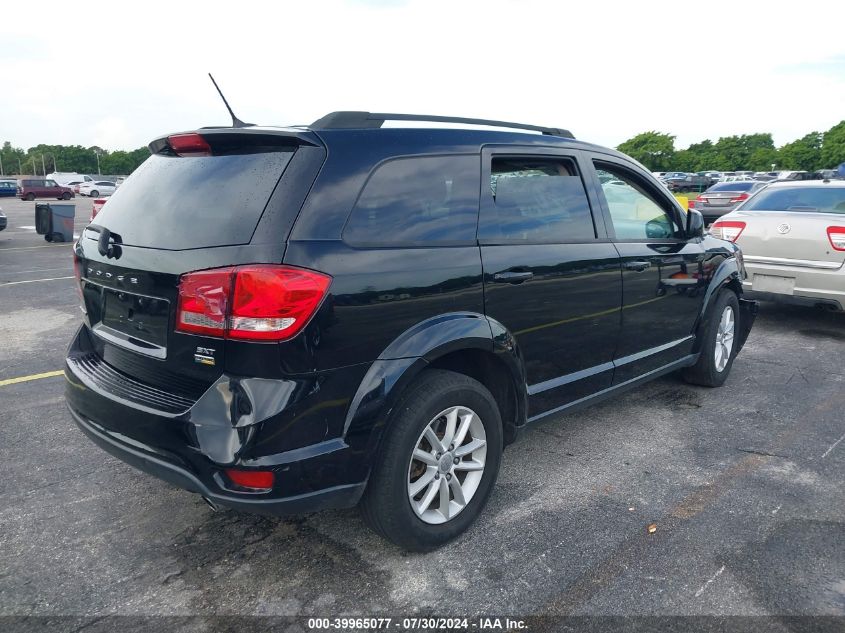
(32, 188)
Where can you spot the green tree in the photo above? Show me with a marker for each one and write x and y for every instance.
(833, 146)
(655, 150)
(10, 157)
(805, 153)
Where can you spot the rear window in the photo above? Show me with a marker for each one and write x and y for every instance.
(193, 202)
(744, 185)
(537, 200)
(809, 199)
(418, 201)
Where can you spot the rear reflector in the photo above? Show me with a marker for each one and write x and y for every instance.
(727, 230)
(255, 479)
(836, 235)
(252, 303)
(189, 145)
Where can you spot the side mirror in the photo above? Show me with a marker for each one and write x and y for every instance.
(695, 224)
(654, 229)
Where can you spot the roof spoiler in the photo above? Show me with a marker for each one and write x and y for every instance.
(350, 120)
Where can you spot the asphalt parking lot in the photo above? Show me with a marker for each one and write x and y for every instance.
(745, 485)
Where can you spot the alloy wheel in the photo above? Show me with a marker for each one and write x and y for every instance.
(724, 339)
(447, 465)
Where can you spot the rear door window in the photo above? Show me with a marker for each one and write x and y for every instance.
(419, 200)
(536, 200)
(178, 203)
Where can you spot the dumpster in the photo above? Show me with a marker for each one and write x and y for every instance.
(55, 221)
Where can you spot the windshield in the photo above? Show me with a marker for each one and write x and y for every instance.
(809, 199)
(193, 202)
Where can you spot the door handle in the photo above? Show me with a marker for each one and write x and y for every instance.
(638, 266)
(513, 277)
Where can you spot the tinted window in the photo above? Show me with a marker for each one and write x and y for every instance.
(421, 200)
(635, 212)
(809, 199)
(744, 185)
(176, 203)
(536, 200)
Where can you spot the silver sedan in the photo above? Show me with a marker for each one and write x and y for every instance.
(792, 236)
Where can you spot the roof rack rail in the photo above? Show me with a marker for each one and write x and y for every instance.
(346, 120)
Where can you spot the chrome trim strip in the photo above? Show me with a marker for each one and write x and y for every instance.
(799, 263)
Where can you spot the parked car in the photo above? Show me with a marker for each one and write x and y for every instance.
(690, 183)
(723, 197)
(793, 239)
(97, 188)
(8, 188)
(32, 188)
(3, 220)
(68, 178)
(373, 325)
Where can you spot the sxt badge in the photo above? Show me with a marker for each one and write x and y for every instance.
(204, 356)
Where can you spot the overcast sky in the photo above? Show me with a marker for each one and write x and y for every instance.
(117, 74)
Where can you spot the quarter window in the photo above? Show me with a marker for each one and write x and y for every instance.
(536, 200)
(635, 214)
(421, 200)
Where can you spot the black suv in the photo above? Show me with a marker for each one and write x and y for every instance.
(289, 319)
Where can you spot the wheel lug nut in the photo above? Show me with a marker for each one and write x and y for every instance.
(451, 447)
(438, 455)
(437, 475)
(457, 461)
(448, 476)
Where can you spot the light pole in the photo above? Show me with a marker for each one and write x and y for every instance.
(97, 154)
(1, 164)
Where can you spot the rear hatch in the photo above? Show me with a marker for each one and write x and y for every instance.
(796, 226)
(225, 201)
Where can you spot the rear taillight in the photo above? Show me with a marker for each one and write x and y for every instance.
(204, 302)
(189, 145)
(836, 235)
(97, 207)
(727, 230)
(740, 197)
(252, 479)
(252, 303)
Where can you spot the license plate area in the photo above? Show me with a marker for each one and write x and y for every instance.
(774, 284)
(134, 321)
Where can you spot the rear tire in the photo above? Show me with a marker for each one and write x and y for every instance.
(455, 478)
(718, 348)
(94, 193)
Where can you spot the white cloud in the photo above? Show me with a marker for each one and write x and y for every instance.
(605, 70)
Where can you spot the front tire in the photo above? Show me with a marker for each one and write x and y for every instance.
(94, 194)
(65, 196)
(437, 463)
(718, 348)
(30, 197)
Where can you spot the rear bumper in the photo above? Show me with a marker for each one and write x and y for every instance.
(811, 286)
(342, 496)
(294, 428)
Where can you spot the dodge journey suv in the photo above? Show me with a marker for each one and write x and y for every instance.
(284, 320)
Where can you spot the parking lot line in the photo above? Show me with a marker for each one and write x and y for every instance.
(28, 248)
(32, 281)
(832, 446)
(14, 381)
